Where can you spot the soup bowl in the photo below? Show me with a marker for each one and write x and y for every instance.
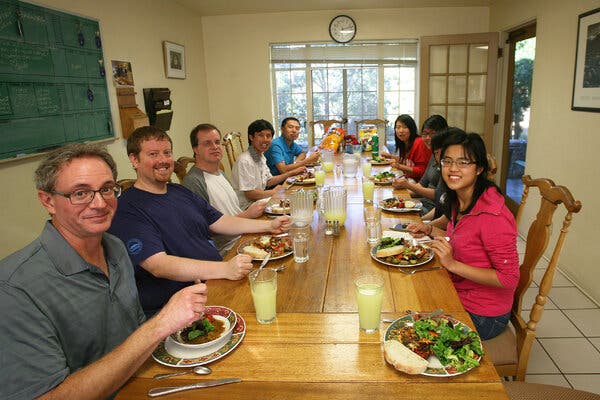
(177, 347)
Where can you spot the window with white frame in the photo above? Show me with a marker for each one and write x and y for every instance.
(360, 80)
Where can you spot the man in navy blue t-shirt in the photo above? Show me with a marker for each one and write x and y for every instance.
(166, 228)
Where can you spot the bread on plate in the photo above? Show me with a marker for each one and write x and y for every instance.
(404, 359)
(255, 252)
(389, 251)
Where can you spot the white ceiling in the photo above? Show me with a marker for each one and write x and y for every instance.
(230, 7)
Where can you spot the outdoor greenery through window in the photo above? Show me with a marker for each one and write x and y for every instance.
(322, 81)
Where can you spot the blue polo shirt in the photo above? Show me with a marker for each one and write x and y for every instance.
(280, 151)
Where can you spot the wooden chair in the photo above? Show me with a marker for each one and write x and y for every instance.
(229, 141)
(125, 183)
(537, 391)
(326, 124)
(182, 166)
(510, 350)
(493, 167)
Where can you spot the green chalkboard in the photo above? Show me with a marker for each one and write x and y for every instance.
(52, 80)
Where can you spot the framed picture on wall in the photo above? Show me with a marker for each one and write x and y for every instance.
(174, 60)
(586, 85)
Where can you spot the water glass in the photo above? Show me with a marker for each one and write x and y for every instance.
(373, 232)
(369, 296)
(367, 188)
(372, 212)
(263, 285)
(300, 235)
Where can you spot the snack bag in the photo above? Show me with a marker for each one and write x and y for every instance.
(333, 139)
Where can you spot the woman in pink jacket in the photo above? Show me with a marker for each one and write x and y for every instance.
(481, 254)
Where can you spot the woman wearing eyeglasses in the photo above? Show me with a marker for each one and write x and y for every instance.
(481, 253)
(413, 155)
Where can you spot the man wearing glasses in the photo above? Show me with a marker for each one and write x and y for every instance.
(71, 322)
(167, 228)
(206, 179)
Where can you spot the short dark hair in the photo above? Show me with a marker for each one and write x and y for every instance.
(198, 128)
(258, 126)
(141, 134)
(435, 123)
(47, 172)
(285, 121)
(437, 140)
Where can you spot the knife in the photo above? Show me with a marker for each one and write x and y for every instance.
(160, 391)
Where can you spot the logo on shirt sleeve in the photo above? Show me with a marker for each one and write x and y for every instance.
(134, 246)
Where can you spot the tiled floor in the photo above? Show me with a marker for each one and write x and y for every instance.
(567, 348)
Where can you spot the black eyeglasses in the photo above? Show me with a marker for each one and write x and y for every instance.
(461, 163)
(79, 197)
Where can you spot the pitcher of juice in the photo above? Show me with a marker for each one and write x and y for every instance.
(302, 206)
(334, 204)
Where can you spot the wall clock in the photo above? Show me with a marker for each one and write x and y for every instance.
(342, 29)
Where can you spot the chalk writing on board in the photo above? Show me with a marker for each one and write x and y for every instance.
(7, 17)
(21, 58)
(4, 105)
(47, 99)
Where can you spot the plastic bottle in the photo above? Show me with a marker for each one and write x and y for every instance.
(375, 146)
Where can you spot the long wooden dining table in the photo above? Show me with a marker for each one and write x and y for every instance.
(314, 349)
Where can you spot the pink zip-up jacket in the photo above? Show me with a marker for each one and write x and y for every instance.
(486, 237)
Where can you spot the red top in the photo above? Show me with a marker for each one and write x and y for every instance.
(486, 237)
(417, 158)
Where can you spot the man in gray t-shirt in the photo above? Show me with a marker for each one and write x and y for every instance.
(71, 322)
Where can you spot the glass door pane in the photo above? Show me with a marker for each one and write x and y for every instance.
(519, 118)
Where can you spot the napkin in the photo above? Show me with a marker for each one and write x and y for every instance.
(404, 235)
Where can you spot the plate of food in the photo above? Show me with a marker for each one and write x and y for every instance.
(395, 204)
(307, 178)
(279, 246)
(419, 343)
(234, 338)
(281, 208)
(380, 161)
(399, 252)
(384, 178)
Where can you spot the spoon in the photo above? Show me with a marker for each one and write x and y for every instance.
(264, 262)
(200, 370)
(414, 271)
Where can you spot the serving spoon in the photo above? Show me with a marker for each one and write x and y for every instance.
(199, 370)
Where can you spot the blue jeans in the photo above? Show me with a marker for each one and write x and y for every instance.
(489, 327)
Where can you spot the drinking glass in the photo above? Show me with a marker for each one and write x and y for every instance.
(367, 188)
(300, 235)
(327, 160)
(372, 212)
(319, 176)
(263, 285)
(369, 295)
(373, 232)
(366, 168)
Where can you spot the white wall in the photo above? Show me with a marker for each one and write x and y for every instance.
(563, 144)
(132, 30)
(237, 49)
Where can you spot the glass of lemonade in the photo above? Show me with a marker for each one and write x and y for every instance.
(367, 188)
(366, 168)
(319, 176)
(263, 285)
(369, 296)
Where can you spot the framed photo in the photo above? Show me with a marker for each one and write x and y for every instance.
(174, 60)
(586, 85)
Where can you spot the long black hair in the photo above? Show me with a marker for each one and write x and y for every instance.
(475, 151)
(402, 148)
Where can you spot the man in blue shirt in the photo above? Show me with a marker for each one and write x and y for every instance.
(284, 154)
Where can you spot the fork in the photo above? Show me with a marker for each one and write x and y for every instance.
(413, 271)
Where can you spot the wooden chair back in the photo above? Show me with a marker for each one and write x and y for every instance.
(230, 142)
(521, 340)
(182, 165)
(493, 167)
(327, 124)
(125, 183)
(379, 123)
